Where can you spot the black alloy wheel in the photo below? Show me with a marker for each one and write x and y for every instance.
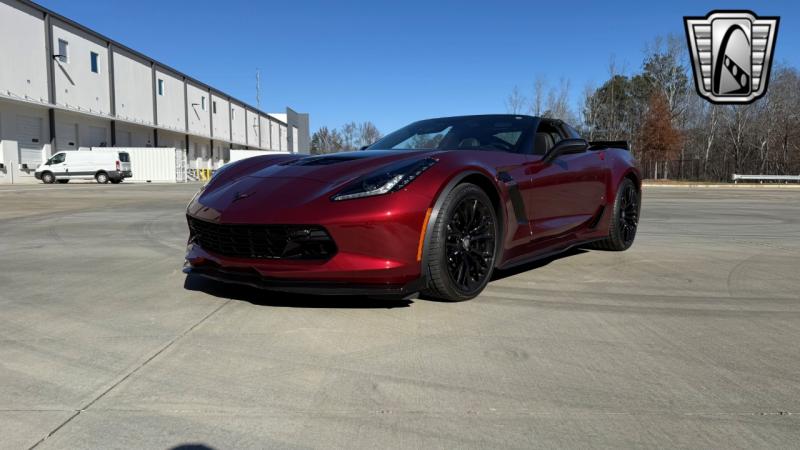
(625, 218)
(463, 245)
(628, 214)
(469, 243)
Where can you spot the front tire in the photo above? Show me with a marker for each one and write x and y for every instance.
(463, 245)
(624, 219)
(48, 178)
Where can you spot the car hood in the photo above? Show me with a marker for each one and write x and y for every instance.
(336, 168)
(277, 192)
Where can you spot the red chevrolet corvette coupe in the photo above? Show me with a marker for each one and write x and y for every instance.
(434, 207)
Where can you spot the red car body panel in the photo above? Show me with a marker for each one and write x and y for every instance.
(544, 207)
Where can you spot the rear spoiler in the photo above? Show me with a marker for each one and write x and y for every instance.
(599, 145)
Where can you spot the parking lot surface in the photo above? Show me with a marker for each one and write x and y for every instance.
(690, 339)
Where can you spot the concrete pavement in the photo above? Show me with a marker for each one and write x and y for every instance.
(689, 339)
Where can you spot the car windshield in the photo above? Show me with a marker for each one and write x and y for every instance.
(492, 132)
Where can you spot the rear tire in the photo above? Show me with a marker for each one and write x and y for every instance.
(624, 219)
(48, 178)
(463, 245)
(101, 177)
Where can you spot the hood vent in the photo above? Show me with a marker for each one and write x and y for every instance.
(321, 160)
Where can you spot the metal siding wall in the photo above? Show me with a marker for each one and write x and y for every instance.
(156, 164)
(264, 130)
(23, 73)
(171, 106)
(253, 129)
(222, 128)
(133, 86)
(284, 138)
(198, 117)
(275, 140)
(77, 87)
(239, 123)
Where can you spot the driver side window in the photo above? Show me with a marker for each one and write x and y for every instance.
(547, 135)
(57, 158)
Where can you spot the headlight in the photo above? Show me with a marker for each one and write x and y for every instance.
(389, 179)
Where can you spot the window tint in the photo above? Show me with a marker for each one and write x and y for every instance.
(58, 158)
(63, 50)
(203, 103)
(509, 136)
(124, 157)
(547, 135)
(423, 139)
(214, 107)
(93, 57)
(491, 132)
(160, 86)
(571, 132)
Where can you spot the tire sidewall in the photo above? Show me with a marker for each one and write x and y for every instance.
(101, 178)
(48, 178)
(439, 259)
(617, 205)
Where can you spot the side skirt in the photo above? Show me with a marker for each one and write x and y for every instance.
(526, 259)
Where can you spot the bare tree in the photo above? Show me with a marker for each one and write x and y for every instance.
(349, 136)
(588, 110)
(558, 102)
(368, 133)
(516, 102)
(539, 96)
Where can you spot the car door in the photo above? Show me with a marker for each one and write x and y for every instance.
(566, 192)
(75, 165)
(56, 164)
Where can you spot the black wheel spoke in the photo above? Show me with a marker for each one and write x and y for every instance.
(469, 243)
(628, 214)
(482, 237)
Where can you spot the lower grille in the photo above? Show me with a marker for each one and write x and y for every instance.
(263, 241)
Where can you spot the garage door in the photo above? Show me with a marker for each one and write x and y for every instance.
(30, 141)
(66, 136)
(123, 138)
(97, 137)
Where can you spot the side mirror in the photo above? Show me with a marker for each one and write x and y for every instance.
(566, 147)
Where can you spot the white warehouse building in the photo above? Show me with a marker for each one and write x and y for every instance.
(65, 87)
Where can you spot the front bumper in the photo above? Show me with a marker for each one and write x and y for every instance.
(377, 242)
(253, 279)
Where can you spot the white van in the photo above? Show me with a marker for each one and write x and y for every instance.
(103, 166)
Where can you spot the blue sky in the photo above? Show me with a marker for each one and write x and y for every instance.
(396, 62)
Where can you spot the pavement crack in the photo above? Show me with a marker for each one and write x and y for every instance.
(131, 373)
